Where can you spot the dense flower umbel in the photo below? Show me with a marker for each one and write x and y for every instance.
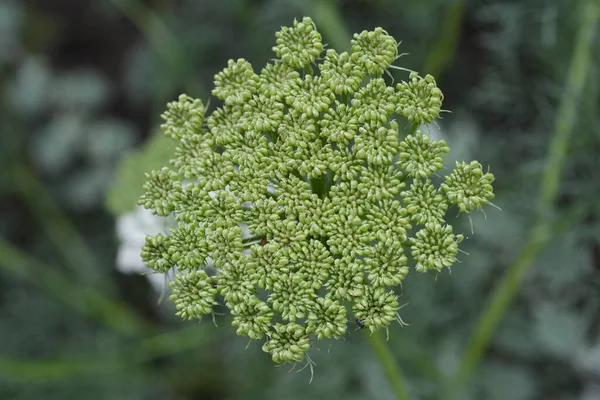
(317, 170)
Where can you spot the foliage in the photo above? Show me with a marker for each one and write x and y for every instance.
(502, 66)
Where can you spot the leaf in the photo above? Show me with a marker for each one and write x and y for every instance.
(559, 332)
(563, 263)
(505, 381)
(515, 335)
(131, 174)
(83, 90)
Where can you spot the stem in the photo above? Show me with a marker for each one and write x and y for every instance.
(131, 359)
(163, 40)
(330, 21)
(68, 241)
(413, 128)
(346, 99)
(541, 231)
(318, 186)
(386, 360)
(252, 239)
(444, 48)
(86, 299)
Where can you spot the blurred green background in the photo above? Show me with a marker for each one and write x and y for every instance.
(82, 85)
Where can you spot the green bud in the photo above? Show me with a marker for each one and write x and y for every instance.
(421, 156)
(435, 247)
(468, 186)
(287, 343)
(300, 45)
(194, 294)
(236, 83)
(419, 100)
(374, 50)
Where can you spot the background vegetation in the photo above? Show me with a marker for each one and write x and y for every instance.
(82, 85)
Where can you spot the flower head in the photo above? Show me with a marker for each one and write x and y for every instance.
(468, 186)
(419, 99)
(318, 171)
(300, 45)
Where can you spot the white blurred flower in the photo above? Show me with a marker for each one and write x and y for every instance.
(132, 229)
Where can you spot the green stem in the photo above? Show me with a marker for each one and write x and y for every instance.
(86, 299)
(162, 39)
(386, 360)
(69, 243)
(121, 360)
(541, 231)
(413, 128)
(153, 27)
(346, 99)
(443, 49)
(330, 21)
(318, 185)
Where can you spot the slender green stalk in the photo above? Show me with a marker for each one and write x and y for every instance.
(444, 47)
(153, 28)
(413, 128)
(541, 231)
(69, 243)
(331, 21)
(162, 39)
(85, 299)
(121, 360)
(392, 370)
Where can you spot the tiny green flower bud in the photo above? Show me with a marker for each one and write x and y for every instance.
(342, 75)
(435, 247)
(252, 317)
(376, 308)
(194, 294)
(327, 319)
(162, 192)
(155, 253)
(236, 83)
(300, 45)
(374, 50)
(287, 343)
(183, 118)
(419, 100)
(421, 156)
(424, 203)
(468, 187)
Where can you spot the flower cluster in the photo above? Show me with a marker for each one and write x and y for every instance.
(300, 199)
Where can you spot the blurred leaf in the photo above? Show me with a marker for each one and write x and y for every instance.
(141, 74)
(86, 300)
(589, 359)
(85, 188)
(506, 381)
(107, 139)
(131, 174)
(515, 336)
(10, 21)
(563, 263)
(80, 90)
(56, 145)
(29, 90)
(560, 332)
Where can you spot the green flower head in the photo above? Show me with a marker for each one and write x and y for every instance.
(306, 197)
